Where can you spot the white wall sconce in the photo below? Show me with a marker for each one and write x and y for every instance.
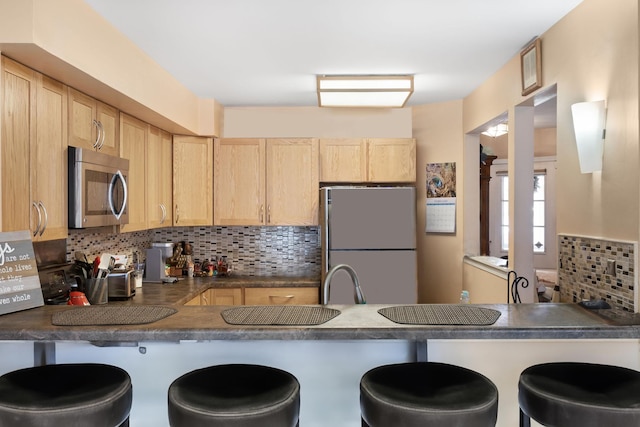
(497, 130)
(589, 128)
(391, 91)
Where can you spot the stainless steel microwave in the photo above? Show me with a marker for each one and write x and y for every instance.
(97, 189)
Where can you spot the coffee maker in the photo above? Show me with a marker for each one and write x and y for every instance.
(156, 263)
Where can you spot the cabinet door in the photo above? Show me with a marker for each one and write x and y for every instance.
(93, 124)
(343, 160)
(194, 301)
(222, 296)
(292, 182)
(392, 160)
(83, 126)
(133, 146)
(108, 117)
(280, 296)
(239, 182)
(192, 180)
(49, 160)
(159, 178)
(18, 128)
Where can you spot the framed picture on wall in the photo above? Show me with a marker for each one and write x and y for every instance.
(531, 67)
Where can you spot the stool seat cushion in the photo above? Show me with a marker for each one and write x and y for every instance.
(65, 395)
(580, 394)
(235, 395)
(427, 394)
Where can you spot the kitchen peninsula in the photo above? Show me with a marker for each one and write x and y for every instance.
(328, 358)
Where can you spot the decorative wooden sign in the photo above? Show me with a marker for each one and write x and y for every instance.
(19, 280)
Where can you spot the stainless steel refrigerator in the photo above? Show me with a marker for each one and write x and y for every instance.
(372, 229)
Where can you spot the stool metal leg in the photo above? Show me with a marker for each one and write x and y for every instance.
(525, 420)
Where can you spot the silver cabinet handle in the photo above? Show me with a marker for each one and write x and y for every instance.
(102, 134)
(35, 205)
(268, 214)
(177, 214)
(164, 213)
(46, 217)
(95, 144)
(261, 213)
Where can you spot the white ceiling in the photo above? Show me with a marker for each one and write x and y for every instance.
(268, 52)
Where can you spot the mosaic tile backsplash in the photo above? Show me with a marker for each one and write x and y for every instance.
(582, 271)
(254, 251)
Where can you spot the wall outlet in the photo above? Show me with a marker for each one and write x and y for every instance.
(611, 267)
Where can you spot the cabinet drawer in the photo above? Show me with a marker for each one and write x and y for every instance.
(224, 296)
(280, 296)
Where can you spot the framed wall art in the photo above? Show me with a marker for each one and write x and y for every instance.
(531, 67)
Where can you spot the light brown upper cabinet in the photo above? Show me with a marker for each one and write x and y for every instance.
(93, 124)
(378, 160)
(159, 179)
(343, 160)
(391, 160)
(266, 182)
(292, 181)
(33, 151)
(192, 180)
(133, 146)
(239, 181)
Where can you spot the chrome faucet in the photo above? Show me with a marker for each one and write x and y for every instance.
(358, 295)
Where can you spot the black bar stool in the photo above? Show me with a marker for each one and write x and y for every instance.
(235, 396)
(427, 394)
(84, 394)
(570, 394)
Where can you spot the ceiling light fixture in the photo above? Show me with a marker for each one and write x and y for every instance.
(497, 130)
(391, 91)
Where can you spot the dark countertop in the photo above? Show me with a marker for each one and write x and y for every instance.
(356, 322)
(188, 288)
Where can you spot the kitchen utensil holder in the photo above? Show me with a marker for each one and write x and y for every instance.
(97, 290)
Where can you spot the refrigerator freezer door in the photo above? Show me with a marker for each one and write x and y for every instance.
(386, 277)
(372, 218)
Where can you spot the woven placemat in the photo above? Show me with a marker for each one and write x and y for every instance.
(111, 315)
(278, 315)
(440, 314)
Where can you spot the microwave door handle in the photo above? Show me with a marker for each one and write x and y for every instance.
(35, 205)
(117, 176)
(46, 217)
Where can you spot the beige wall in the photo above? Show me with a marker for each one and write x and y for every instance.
(265, 122)
(69, 41)
(593, 54)
(437, 129)
(544, 143)
(484, 287)
(590, 54)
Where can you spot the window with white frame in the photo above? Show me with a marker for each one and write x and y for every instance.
(538, 212)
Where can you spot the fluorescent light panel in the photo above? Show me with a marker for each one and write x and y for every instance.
(364, 91)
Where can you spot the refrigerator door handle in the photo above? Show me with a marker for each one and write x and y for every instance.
(324, 232)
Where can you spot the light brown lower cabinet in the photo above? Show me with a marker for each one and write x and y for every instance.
(195, 301)
(256, 296)
(222, 296)
(280, 296)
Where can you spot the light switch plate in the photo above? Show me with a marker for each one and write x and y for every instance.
(611, 267)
